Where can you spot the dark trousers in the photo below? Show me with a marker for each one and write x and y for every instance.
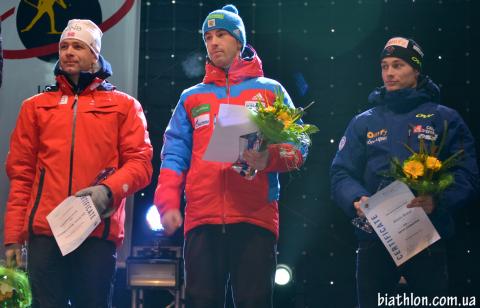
(242, 254)
(84, 277)
(426, 273)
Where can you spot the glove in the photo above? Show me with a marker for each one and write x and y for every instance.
(13, 255)
(171, 220)
(101, 197)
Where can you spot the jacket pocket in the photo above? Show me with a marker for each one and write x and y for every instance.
(37, 202)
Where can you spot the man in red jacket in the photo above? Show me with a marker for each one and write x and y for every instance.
(80, 137)
(231, 223)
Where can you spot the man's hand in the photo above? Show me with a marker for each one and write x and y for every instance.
(357, 207)
(101, 197)
(426, 202)
(256, 160)
(13, 255)
(171, 220)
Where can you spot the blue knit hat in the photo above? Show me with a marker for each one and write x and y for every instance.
(228, 19)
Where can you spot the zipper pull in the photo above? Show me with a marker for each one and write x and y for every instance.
(75, 99)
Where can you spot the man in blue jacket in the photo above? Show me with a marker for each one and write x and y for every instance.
(407, 110)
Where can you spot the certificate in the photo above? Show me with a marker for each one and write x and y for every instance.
(232, 127)
(404, 231)
(72, 221)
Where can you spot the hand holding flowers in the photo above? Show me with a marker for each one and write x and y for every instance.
(277, 123)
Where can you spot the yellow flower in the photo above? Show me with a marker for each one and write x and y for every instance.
(413, 169)
(270, 109)
(285, 118)
(433, 163)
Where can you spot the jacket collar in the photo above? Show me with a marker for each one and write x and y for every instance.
(247, 66)
(87, 81)
(404, 100)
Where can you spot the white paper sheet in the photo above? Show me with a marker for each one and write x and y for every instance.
(72, 221)
(233, 121)
(404, 231)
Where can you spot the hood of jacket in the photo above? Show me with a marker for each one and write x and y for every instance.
(404, 100)
(86, 79)
(247, 66)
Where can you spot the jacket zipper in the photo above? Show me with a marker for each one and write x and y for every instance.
(72, 146)
(37, 202)
(223, 170)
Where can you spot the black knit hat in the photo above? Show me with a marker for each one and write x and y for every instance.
(405, 49)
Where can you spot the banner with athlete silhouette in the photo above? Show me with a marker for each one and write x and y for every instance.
(31, 30)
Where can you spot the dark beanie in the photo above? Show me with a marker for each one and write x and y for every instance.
(405, 49)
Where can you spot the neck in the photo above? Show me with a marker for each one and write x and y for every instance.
(74, 78)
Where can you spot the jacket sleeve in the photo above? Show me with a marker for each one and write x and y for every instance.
(176, 155)
(20, 166)
(347, 169)
(287, 156)
(1, 55)
(465, 188)
(135, 152)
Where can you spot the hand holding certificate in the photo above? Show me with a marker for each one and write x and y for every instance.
(72, 221)
(404, 231)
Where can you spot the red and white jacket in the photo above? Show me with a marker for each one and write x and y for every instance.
(62, 141)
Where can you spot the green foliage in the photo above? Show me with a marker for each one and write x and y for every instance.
(14, 288)
(278, 123)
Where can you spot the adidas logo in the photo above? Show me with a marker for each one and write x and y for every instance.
(258, 97)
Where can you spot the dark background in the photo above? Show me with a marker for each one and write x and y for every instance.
(327, 52)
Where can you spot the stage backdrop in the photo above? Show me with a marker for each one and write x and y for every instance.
(31, 30)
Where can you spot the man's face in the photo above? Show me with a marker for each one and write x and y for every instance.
(398, 74)
(75, 56)
(222, 47)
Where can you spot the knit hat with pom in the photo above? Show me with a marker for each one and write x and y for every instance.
(228, 19)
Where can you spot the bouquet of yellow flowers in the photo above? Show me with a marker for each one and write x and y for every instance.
(277, 123)
(423, 171)
(14, 288)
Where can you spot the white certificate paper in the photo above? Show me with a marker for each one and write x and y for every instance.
(404, 231)
(226, 145)
(72, 221)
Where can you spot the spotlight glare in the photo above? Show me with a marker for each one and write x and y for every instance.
(283, 274)
(153, 219)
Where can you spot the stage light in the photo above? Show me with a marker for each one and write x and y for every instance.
(283, 274)
(153, 219)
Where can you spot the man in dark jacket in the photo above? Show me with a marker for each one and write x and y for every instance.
(407, 110)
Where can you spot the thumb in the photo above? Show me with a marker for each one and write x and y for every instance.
(18, 258)
(83, 192)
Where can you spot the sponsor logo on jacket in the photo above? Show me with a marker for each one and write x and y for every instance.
(424, 116)
(252, 103)
(378, 136)
(201, 115)
(425, 132)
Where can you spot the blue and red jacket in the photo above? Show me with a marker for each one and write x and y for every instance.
(375, 136)
(215, 193)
